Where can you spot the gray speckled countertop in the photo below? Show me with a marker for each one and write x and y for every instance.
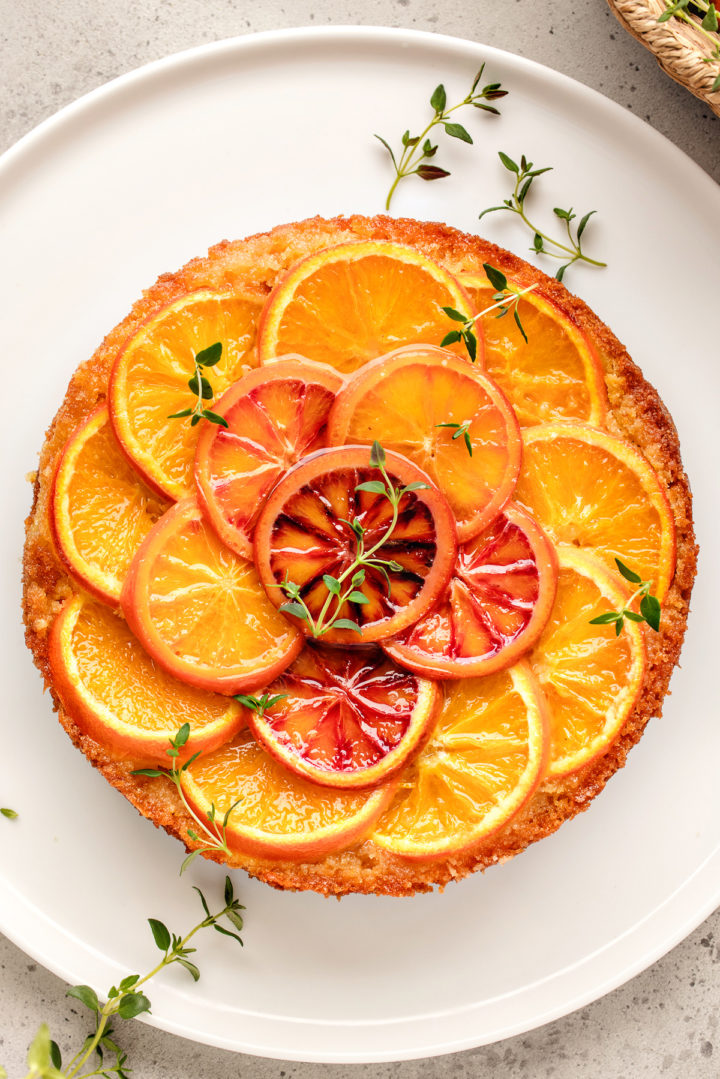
(663, 1022)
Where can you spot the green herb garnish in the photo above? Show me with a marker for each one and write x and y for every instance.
(570, 252)
(418, 150)
(462, 430)
(505, 299)
(125, 1001)
(213, 833)
(347, 587)
(259, 704)
(649, 605)
(200, 386)
(9, 813)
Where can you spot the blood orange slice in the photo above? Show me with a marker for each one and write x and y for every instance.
(100, 511)
(278, 814)
(149, 381)
(495, 607)
(275, 416)
(556, 374)
(594, 491)
(483, 762)
(316, 521)
(591, 677)
(121, 698)
(199, 609)
(417, 401)
(348, 304)
(345, 719)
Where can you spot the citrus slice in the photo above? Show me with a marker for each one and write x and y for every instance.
(307, 536)
(407, 401)
(200, 610)
(149, 381)
(278, 814)
(121, 698)
(275, 416)
(591, 677)
(495, 607)
(345, 719)
(591, 490)
(556, 374)
(484, 760)
(100, 512)
(348, 304)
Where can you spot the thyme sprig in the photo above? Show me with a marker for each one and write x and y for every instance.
(649, 605)
(346, 587)
(570, 252)
(200, 385)
(100, 1052)
(259, 704)
(505, 299)
(212, 832)
(418, 150)
(462, 430)
(702, 14)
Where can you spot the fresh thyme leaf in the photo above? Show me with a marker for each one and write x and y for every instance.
(451, 338)
(376, 487)
(132, 1005)
(86, 995)
(148, 772)
(377, 455)
(346, 623)
(11, 814)
(650, 609)
(332, 584)
(416, 150)
(461, 431)
(161, 934)
(200, 386)
(416, 485)
(569, 249)
(259, 704)
(357, 597)
(454, 314)
(294, 608)
(55, 1055)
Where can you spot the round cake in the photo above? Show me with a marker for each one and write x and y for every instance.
(360, 555)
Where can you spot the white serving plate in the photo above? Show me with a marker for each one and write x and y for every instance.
(230, 139)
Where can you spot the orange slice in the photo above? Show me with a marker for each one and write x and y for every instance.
(591, 677)
(100, 512)
(306, 532)
(348, 304)
(484, 760)
(345, 719)
(403, 399)
(556, 374)
(121, 698)
(149, 381)
(275, 416)
(591, 490)
(278, 815)
(199, 609)
(495, 607)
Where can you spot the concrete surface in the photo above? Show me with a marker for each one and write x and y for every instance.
(664, 1022)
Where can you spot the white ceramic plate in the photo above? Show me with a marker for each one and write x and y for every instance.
(224, 141)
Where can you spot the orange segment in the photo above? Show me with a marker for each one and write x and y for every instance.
(591, 677)
(591, 490)
(484, 760)
(401, 400)
(275, 416)
(556, 374)
(348, 304)
(200, 610)
(306, 532)
(149, 381)
(346, 719)
(279, 815)
(494, 609)
(100, 512)
(120, 697)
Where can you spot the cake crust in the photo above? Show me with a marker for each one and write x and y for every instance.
(636, 413)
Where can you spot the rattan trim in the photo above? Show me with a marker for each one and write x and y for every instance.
(679, 48)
